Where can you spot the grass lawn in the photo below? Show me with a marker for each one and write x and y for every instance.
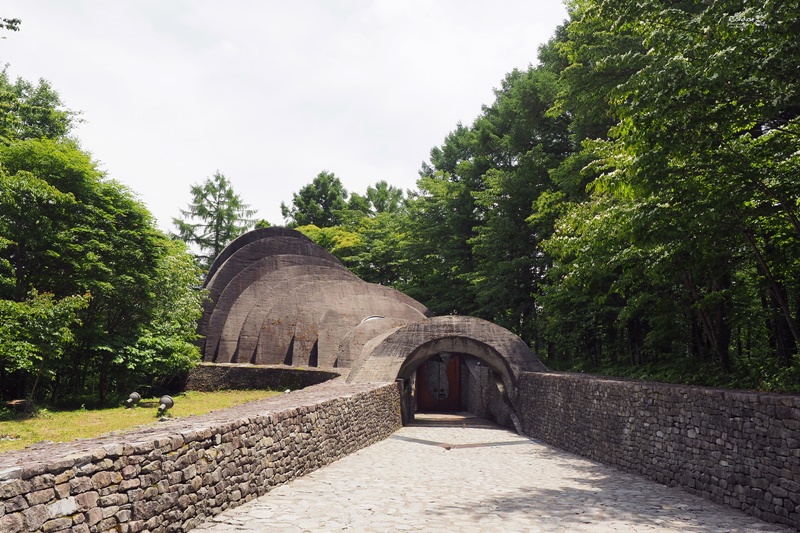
(63, 426)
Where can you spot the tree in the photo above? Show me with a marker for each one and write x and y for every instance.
(369, 238)
(525, 143)
(380, 198)
(93, 298)
(165, 346)
(36, 334)
(9, 24)
(468, 228)
(319, 203)
(215, 217)
(690, 229)
(29, 111)
(384, 198)
(84, 264)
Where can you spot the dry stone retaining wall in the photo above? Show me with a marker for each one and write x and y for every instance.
(737, 448)
(232, 376)
(174, 476)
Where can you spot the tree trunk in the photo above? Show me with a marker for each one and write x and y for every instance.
(714, 322)
(775, 288)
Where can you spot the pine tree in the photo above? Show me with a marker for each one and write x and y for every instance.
(215, 216)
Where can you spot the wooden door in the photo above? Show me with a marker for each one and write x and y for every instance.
(438, 387)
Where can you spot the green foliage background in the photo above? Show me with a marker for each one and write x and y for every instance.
(629, 205)
(94, 300)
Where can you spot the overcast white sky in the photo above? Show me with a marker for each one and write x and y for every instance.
(268, 92)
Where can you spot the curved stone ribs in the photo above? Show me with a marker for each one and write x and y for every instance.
(250, 253)
(353, 342)
(247, 238)
(268, 334)
(277, 298)
(329, 308)
(257, 287)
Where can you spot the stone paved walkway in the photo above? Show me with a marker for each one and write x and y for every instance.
(462, 476)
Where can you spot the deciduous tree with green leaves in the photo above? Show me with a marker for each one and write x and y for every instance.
(696, 166)
(29, 111)
(319, 203)
(94, 299)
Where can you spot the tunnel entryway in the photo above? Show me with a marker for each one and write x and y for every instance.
(458, 386)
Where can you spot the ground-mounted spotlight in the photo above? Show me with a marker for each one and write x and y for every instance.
(166, 402)
(132, 400)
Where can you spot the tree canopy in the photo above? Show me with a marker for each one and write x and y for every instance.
(9, 24)
(629, 205)
(94, 300)
(318, 203)
(215, 217)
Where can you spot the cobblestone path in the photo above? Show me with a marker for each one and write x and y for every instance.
(462, 475)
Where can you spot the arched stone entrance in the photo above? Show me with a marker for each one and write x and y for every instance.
(396, 354)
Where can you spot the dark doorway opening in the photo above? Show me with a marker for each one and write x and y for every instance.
(438, 384)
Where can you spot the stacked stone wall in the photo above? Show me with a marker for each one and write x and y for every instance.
(231, 376)
(737, 448)
(178, 474)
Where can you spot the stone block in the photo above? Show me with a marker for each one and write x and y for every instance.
(107, 524)
(128, 484)
(86, 500)
(62, 491)
(58, 465)
(57, 524)
(17, 503)
(136, 526)
(104, 479)
(63, 507)
(40, 496)
(45, 481)
(80, 484)
(93, 516)
(9, 489)
(13, 523)
(10, 473)
(35, 517)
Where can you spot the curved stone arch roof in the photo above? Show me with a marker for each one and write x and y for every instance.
(317, 314)
(354, 341)
(397, 353)
(254, 286)
(401, 297)
(247, 238)
(333, 323)
(256, 250)
(249, 253)
(240, 332)
(284, 285)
